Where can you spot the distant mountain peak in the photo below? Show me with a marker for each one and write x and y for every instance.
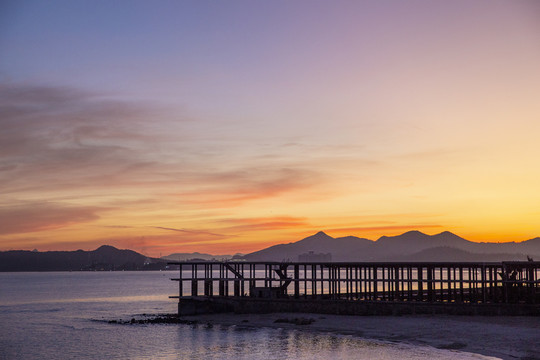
(449, 234)
(105, 247)
(321, 233)
(320, 236)
(414, 232)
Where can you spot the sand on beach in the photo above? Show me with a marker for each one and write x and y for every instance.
(502, 337)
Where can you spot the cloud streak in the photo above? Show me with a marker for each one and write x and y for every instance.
(266, 223)
(51, 131)
(71, 139)
(230, 189)
(34, 217)
(193, 232)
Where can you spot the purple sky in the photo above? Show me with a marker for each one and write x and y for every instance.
(241, 124)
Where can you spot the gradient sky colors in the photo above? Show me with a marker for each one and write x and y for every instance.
(223, 127)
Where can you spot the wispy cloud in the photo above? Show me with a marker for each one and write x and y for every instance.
(265, 223)
(71, 139)
(67, 137)
(192, 232)
(228, 189)
(33, 217)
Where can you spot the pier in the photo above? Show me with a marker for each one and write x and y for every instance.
(360, 288)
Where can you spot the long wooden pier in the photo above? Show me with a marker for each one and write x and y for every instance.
(505, 283)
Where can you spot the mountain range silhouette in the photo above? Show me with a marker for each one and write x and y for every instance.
(410, 246)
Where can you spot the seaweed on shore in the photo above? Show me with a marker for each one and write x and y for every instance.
(295, 321)
(154, 319)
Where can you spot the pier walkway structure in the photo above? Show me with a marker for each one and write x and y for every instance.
(505, 288)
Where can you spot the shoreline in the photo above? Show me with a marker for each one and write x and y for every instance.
(516, 337)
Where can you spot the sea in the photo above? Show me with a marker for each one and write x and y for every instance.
(66, 315)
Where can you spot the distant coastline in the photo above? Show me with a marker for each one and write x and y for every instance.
(410, 246)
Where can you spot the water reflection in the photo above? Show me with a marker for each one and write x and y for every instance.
(236, 343)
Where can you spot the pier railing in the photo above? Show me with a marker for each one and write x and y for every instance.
(466, 282)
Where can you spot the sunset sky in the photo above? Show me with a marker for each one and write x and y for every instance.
(229, 126)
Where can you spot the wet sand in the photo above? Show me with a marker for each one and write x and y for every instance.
(501, 337)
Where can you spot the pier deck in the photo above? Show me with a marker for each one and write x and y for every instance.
(508, 284)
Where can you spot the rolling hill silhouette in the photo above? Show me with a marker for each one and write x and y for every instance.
(410, 246)
(103, 258)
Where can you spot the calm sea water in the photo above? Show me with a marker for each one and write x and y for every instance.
(60, 316)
